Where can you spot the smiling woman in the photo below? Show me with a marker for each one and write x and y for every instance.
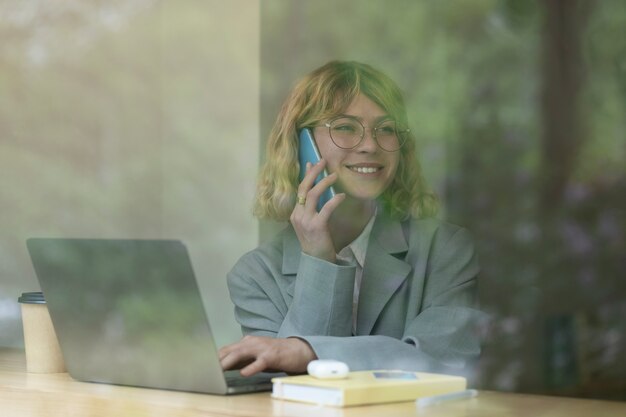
(371, 279)
(318, 100)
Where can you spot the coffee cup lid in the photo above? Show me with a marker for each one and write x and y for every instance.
(32, 298)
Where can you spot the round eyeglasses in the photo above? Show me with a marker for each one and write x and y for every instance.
(348, 133)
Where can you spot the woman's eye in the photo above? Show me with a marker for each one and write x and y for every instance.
(386, 130)
(344, 128)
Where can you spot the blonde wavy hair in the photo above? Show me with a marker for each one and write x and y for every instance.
(319, 96)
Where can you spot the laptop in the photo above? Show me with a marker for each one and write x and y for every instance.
(129, 312)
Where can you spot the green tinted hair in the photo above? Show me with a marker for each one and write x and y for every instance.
(319, 96)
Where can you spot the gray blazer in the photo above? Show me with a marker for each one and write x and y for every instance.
(416, 306)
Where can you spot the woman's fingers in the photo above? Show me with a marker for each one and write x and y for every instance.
(309, 199)
(324, 183)
(257, 366)
(225, 350)
(328, 208)
(257, 353)
(312, 172)
(311, 227)
(237, 354)
(231, 360)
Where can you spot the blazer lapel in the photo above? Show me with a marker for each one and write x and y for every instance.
(382, 275)
(383, 272)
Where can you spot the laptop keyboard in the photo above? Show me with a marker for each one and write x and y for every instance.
(234, 378)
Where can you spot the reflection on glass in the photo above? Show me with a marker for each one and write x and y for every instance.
(126, 311)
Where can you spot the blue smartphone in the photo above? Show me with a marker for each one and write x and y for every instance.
(308, 152)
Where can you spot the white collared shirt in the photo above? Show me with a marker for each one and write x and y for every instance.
(355, 253)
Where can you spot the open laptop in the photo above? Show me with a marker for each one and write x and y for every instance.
(129, 312)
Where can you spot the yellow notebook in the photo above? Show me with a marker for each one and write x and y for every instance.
(365, 387)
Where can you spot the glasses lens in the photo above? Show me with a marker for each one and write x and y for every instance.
(346, 132)
(389, 136)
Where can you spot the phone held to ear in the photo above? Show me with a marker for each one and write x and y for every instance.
(308, 152)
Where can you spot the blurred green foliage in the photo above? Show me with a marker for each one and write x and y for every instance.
(127, 119)
(519, 111)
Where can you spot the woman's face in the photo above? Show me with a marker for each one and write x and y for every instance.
(365, 171)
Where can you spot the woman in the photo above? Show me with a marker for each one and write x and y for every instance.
(371, 279)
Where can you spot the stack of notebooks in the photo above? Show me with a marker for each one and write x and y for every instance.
(366, 387)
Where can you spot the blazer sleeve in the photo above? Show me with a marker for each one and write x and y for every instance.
(442, 337)
(316, 301)
(322, 300)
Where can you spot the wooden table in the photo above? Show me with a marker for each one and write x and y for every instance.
(24, 394)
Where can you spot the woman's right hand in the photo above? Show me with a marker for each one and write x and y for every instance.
(310, 226)
(254, 354)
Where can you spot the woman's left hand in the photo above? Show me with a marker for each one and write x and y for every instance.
(260, 353)
(310, 226)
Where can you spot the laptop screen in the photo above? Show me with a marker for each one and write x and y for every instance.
(128, 312)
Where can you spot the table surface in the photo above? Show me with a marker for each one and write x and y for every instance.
(26, 394)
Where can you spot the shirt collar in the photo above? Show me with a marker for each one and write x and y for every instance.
(359, 245)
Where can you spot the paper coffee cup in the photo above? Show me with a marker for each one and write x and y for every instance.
(43, 354)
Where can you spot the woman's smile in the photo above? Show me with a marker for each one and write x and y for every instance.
(368, 169)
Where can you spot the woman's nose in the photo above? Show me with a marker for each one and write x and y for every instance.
(368, 143)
